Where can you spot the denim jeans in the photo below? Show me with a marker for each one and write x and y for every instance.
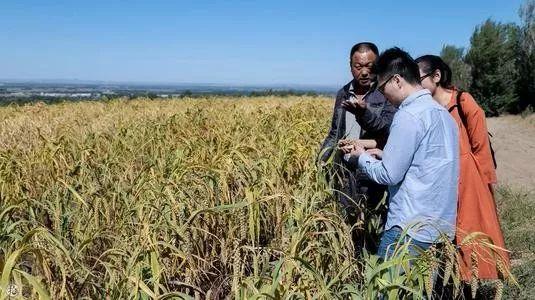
(390, 238)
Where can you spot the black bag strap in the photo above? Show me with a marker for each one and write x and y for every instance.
(459, 108)
(465, 122)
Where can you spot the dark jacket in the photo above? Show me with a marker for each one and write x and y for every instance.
(375, 120)
(352, 188)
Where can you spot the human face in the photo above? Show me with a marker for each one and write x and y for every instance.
(381, 87)
(428, 80)
(390, 87)
(362, 67)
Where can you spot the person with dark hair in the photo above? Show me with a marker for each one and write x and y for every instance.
(476, 207)
(419, 163)
(361, 115)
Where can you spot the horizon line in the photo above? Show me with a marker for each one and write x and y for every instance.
(163, 83)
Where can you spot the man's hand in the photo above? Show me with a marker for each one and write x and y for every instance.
(353, 149)
(366, 144)
(354, 106)
(347, 142)
(377, 153)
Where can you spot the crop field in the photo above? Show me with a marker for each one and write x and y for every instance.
(216, 198)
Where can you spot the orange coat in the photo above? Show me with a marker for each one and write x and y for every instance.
(476, 209)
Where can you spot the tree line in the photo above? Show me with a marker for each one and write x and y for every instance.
(498, 68)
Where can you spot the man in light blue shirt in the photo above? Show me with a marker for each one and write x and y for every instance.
(420, 162)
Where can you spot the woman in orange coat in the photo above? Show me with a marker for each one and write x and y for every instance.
(476, 209)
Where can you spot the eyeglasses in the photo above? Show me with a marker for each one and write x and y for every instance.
(425, 76)
(381, 87)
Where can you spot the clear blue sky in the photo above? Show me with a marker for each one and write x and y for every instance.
(236, 42)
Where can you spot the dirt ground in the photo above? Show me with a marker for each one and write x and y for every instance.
(514, 143)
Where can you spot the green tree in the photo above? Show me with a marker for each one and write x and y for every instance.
(526, 89)
(493, 59)
(454, 57)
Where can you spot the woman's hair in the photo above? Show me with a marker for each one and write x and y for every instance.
(430, 63)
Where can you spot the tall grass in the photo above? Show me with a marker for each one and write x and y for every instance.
(181, 199)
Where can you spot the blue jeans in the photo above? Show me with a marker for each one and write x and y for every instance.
(390, 238)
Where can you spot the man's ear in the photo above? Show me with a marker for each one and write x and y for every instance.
(397, 79)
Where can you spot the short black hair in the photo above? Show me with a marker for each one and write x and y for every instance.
(430, 63)
(396, 61)
(364, 46)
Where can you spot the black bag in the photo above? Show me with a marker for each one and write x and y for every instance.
(463, 119)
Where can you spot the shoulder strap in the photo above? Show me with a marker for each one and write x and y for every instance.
(464, 120)
(459, 108)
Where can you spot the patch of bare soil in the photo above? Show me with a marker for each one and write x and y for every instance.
(514, 144)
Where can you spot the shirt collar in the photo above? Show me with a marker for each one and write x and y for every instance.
(351, 88)
(351, 91)
(414, 96)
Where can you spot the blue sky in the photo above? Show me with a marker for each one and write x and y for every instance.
(227, 42)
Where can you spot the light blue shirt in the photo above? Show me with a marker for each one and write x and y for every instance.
(420, 165)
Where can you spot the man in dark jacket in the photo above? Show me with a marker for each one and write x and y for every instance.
(365, 114)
